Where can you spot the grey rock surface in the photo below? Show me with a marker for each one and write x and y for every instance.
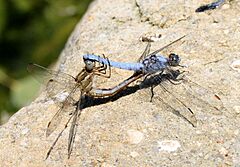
(131, 131)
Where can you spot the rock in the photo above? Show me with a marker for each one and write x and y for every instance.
(135, 136)
(236, 65)
(168, 145)
(113, 28)
(134, 154)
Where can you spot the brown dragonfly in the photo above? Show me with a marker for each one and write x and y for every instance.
(68, 91)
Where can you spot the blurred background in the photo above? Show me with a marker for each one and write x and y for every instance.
(31, 31)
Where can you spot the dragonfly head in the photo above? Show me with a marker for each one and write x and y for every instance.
(174, 59)
(89, 64)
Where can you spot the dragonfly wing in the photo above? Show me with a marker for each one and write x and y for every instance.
(205, 96)
(43, 74)
(65, 106)
(163, 95)
(58, 84)
(73, 131)
(166, 46)
(195, 96)
(59, 92)
(73, 128)
(145, 53)
(178, 106)
(55, 121)
(55, 141)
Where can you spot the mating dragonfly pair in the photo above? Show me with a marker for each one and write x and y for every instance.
(156, 69)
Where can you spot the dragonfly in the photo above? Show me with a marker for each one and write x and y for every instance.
(147, 64)
(67, 92)
(158, 69)
(210, 6)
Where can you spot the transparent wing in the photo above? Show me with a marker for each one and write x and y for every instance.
(43, 74)
(55, 121)
(145, 53)
(178, 106)
(55, 141)
(64, 89)
(166, 46)
(58, 84)
(163, 95)
(60, 87)
(204, 96)
(73, 130)
(66, 105)
(195, 96)
(186, 97)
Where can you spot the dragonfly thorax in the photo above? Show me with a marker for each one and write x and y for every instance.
(154, 63)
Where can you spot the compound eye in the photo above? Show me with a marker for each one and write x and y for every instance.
(174, 59)
(89, 64)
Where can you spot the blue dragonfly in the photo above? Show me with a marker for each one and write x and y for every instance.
(147, 63)
(158, 69)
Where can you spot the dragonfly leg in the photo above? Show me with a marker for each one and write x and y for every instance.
(145, 78)
(174, 82)
(158, 79)
(152, 93)
(173, 76)
(101, 65)
(102, 70)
